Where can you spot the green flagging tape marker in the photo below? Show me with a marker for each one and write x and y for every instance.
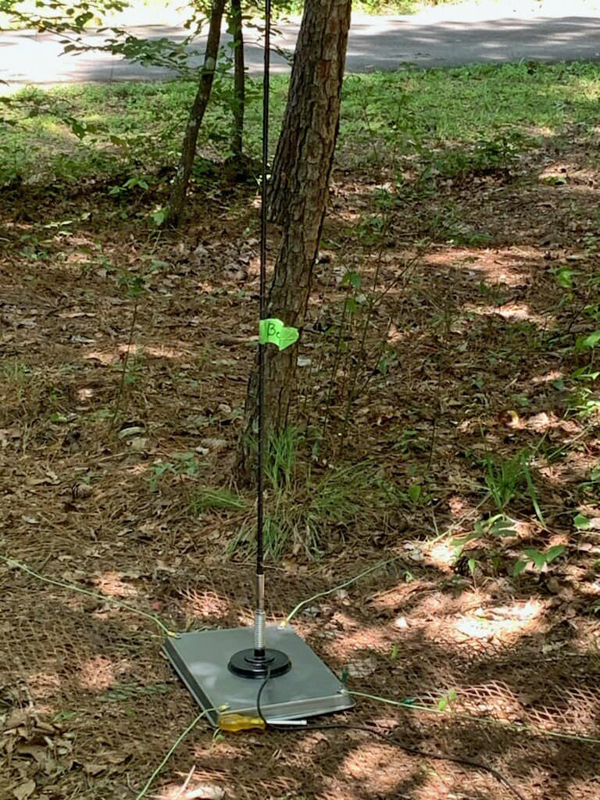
(276, 332)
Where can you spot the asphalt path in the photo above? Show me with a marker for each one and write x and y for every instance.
(378, 43)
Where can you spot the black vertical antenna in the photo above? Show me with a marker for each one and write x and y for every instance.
(260, 661)
(259, 621)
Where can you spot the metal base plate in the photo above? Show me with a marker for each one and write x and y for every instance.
(309, 689)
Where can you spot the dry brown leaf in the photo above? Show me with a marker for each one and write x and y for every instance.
(25, 790)
(16, 718)
(94, 769)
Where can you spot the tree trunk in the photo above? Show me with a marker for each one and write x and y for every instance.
(298, 197)
(304, 155)
(190, 139)
(239, 80)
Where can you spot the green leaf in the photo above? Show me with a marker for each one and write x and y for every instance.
(554, 552)
(502, 526)
(581, 522)
(532, 492)
(352, 278)
(518, 568)
(589, 341)
(564, 277)
(351, 305)
(449, 698)
(159, 216)
(584, 374)
(539, 559)
(414, 492)
(78, 128)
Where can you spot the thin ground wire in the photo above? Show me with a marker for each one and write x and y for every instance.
(174, 747)
(416, 751)
(12, 562)
(406, 704)
(349, 582)
(259, 696)
(517, 728)
(374, 568)
(387, 737)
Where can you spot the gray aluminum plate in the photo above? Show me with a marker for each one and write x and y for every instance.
(309, 689)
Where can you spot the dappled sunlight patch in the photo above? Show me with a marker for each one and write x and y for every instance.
(459, 506)
(206, 604)
(97, 673)
(117, 354)
(376, 763)
(544, 421)
(79, 260)
(206, 287)
(106, 357)
(44, 684)
(395, 335)
(590, 591)
(496, 267)
(522, 312)
(442, 554)
(542, 130)
(436, 607)
(493, 698)
(245, 618)
(85, 393)
(114, 585)
(513, 313)
(141, 468)
(548, 377)
(571, 174)
(163, 351)
(74, 602)
(189, 788)
(466, 617)
(501, 623)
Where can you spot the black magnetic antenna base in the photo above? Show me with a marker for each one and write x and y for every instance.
(250, 664)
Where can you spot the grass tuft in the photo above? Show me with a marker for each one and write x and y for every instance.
(310, 509)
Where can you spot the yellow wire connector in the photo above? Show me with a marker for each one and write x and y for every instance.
(233, 723)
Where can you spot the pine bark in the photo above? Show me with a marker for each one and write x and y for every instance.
(239, 80)
(299, 193)
(304, 155)
(190, 139)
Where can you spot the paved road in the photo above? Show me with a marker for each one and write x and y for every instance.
(382, 43)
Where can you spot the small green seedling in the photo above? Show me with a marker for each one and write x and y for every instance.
(581, 522)
(447, 700)
(538, 559)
